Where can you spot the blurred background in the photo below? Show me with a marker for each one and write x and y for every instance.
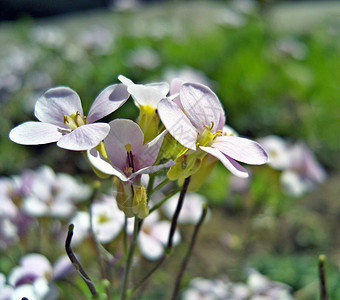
(273, 64)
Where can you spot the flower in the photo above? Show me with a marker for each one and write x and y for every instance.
(127, 159)
(199, 124)
(61, 119)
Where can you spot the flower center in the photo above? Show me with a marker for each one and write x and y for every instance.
(103, 218)
(130, 161)
(206, 137)
(74, 121)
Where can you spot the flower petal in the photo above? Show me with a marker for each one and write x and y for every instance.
(35, 133)
(110, 99)
(228, 162)
(104, 166)
(145, 95)
(241, 149)
(84, 137)
(55, 103)
(152, 169)
(201, 105)
(150, 150)
(150, 247)
(122, 133)
(125, 80)
(177, 123)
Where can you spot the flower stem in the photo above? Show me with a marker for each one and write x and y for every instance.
(159, 186)
(77, 264)
(187, 256)
(177, 212)
(159, 204)
(322, 278)
(130, 258)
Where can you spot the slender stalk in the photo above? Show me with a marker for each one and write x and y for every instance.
(125, 238)
(187, 256)
(150, 184)
(77, 264)
(101, 263)
(177, 212)
(322, 278)
(130, 258)
(159, 204)
(159, 186)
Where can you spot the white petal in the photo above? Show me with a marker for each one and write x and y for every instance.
(163, 87)
(241, 149)
(84, 137)
(35, 133)
(177, 123)
(104, 166)
(55, 103)
(125, 80)
(150, 247)
(161, 230)
(152, 169)
(201, 105)
(110, 99)
(145, 95)
(228, 162)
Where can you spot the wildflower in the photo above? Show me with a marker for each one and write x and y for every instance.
(61, 119)
(127, 159)
(198, 126)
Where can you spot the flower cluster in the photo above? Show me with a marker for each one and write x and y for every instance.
(257, 287)
(180, 126)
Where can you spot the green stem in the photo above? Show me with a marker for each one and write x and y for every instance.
(150, 184)
(187, 256)
(177, 212)
(159, 204)
(159, 186)
(129, 259)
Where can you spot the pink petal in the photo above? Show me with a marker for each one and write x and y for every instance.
(84, 137)
(177, 123)
(122, 133)
(241, 149)
(201, 105)
(104, 166)
(228, 162)
(55, 103)
(35, 133)
(110, 99)
(150, 150)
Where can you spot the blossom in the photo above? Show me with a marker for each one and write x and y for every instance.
(127, 159)
(61, 119)
(53, 194)
(197, 122)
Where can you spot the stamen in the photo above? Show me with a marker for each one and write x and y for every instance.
(130, 157)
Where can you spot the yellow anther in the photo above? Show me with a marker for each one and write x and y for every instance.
(69, 121)
(128, 147)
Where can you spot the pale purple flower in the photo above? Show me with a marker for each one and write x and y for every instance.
(153, 237)
(128, 156)
(61, 119)
(81, 222)
(196, 120)
(53, 194)
(303, 172)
